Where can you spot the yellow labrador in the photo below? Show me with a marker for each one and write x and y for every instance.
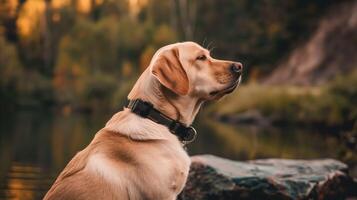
(136, 157)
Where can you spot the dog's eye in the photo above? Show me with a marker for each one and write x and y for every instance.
(202, 57)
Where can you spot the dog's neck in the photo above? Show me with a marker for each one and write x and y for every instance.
(181, 108)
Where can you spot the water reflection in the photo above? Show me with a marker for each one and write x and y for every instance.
(249, 142)
(25, 182)
(34, 146)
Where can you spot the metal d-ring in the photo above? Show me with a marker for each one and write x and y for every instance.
(192, 134)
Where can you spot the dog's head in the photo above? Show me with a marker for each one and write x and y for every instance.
(187, 69)
(182, 76)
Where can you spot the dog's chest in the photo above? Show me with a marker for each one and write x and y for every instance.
(170, 169)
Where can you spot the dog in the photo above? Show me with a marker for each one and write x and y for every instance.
(136, 157)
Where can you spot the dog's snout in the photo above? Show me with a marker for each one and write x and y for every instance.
(236, 68)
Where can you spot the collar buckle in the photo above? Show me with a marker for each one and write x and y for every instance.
(141, 108)
(186, 134)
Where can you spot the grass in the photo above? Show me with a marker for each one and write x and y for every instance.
(330, 105)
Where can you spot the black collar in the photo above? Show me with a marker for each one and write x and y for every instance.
(147, 110)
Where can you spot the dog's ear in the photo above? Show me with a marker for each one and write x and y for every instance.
(168, 69)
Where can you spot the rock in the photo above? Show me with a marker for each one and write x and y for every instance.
(217, 178)
(250, 117)
(329, 52)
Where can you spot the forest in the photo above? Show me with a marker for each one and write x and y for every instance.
(83, 55)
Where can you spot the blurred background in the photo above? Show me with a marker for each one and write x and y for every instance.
(66, 66)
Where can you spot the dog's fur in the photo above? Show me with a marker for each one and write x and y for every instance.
(135, 158)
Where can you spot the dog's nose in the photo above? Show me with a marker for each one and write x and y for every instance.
(236, 68)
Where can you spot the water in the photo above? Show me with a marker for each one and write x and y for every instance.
(34, 146)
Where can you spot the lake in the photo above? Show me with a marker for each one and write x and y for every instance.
(35, 146)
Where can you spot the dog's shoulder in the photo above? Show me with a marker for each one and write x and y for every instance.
(83, 176)
(66, 181)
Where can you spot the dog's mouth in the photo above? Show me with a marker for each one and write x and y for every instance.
(228, 89)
